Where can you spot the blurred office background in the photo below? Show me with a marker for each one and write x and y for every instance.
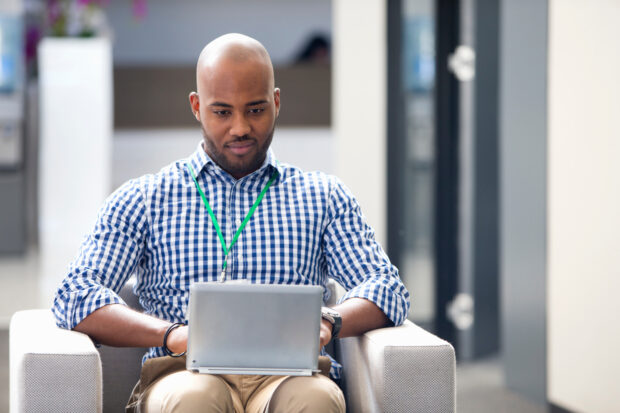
(480, 136)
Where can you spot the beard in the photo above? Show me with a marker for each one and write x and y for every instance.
(238, 167)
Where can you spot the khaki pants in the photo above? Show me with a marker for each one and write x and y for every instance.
(166, 386)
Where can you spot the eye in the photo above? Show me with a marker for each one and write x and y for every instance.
(256, 111)
(221, 113)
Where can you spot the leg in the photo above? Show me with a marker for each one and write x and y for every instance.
(315, 394)
(189, 392)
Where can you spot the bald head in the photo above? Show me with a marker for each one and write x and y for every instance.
(236, 102)
(231, 50)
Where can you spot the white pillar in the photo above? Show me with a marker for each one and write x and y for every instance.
(583, 205)
(359, 96)
(75, 147)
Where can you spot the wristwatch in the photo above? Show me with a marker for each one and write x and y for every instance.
(334, 318)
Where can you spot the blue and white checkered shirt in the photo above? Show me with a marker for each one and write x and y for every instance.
(308, 228)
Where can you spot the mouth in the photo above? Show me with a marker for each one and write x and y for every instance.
(240, 148)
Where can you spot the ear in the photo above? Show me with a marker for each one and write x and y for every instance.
(276, 100)
(194, 103)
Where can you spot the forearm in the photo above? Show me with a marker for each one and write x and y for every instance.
(120, 326)
(359, 316)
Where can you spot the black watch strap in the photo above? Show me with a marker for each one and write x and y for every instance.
(334, 318)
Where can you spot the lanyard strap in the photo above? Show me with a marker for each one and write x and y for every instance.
(217, 225)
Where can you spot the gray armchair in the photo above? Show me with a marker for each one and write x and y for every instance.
(398, 369)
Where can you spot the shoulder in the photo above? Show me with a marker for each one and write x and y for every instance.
(310, 180)
(167, 178)
(140, 192)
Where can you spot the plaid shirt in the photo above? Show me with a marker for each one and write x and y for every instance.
(308, 228)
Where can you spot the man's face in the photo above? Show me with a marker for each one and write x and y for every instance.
(237, 107)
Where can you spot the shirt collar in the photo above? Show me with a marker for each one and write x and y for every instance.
(201, 160)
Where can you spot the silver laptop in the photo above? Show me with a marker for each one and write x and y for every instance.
(243, 328)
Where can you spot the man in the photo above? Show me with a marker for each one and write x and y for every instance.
(306, 228)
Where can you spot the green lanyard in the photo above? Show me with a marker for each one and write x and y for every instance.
(217, 225)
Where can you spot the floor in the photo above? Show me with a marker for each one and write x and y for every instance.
(480, 389)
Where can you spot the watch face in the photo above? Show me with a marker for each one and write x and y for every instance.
(329, 313)
(334, 318)
(332, 313)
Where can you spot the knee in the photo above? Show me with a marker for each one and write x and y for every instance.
(189, 394)
(307, 395)
(211, 399)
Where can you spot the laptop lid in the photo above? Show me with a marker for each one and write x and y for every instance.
(243, 328)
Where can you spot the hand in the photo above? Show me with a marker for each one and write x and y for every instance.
(177, 340)
(326, 333)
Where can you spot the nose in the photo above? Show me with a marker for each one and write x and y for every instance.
(240, 125)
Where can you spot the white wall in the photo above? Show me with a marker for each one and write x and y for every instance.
(584, 205)
(359, 104)
(140, 151)
(174, 32)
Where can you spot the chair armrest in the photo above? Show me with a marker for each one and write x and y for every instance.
(52, 369)
(398, 369)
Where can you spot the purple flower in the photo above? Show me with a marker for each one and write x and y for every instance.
(54, 10)
(33, 35)
(100, 3)
(82, 17)
(139, 9)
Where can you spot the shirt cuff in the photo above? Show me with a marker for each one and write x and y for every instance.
(381, 292)
(70, 308)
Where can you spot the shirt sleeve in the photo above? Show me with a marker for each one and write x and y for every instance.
(357, 261)
(106, 259)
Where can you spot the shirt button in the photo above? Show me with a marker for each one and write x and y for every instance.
(238, 222)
